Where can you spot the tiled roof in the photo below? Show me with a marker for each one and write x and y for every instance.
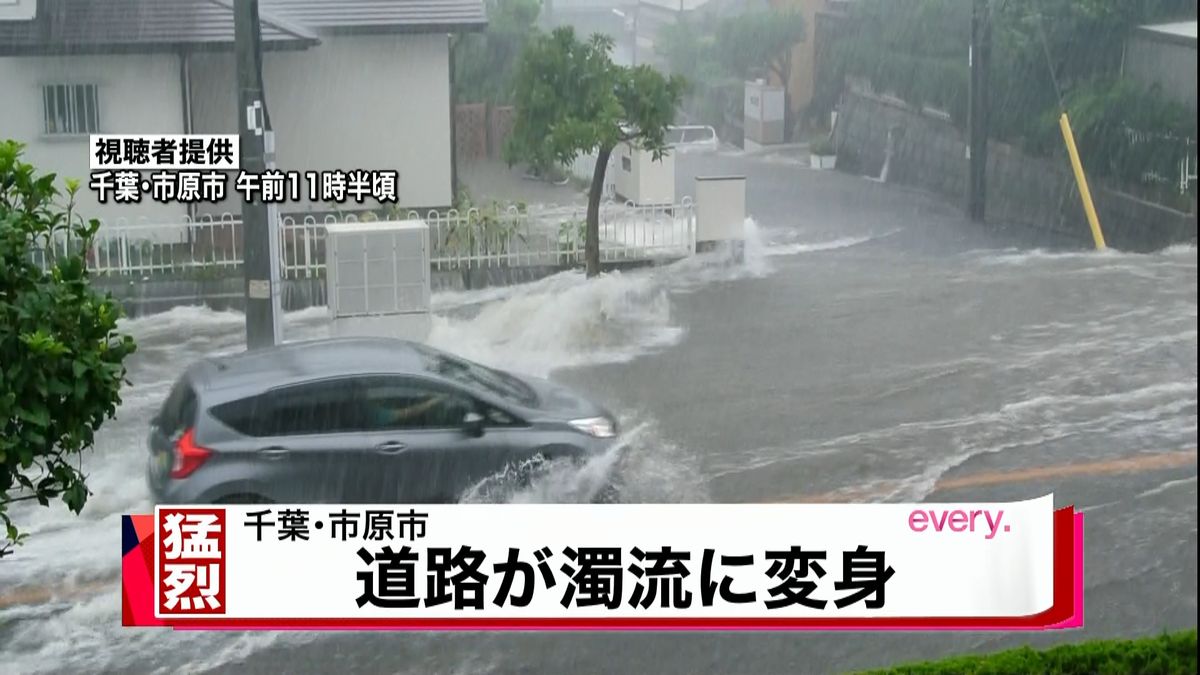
(380, 15)
(90, 26)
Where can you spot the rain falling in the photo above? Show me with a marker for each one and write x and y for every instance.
(831, 251)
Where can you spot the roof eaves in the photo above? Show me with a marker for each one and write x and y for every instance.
(1156, 33)
(408, 28)
(382, 16)
(283, 25)
(152, 47)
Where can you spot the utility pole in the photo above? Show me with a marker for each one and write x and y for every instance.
(979, 59)
(259, 220)
(637, 12)
(631, 26)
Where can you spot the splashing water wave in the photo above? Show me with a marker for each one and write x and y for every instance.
(640, 467)
(69, 570)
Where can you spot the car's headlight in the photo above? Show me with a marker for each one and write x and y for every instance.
(597, 427)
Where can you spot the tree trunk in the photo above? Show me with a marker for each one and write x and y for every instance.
(591, 249)
(789, 117)
(783, 70)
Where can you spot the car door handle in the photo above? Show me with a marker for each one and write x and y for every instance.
(391, 447)
(274, 451)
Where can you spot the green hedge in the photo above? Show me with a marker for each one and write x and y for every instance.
(1173, 653)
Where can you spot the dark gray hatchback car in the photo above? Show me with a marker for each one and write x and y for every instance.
(358, 420)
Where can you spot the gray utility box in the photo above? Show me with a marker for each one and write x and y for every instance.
(721, 214)
(378, 279)
(643, 180)
(764, 114)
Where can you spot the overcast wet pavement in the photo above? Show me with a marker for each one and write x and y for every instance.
(892, 346)
(873, 346)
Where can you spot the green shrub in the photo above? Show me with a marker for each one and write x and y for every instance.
(1125, 132)
(1104, 110)
(61, 359)
(485, 63)
(1168, 654)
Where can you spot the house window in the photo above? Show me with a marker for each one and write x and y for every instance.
(71, 109)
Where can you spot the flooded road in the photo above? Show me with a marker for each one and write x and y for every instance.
(871, 346)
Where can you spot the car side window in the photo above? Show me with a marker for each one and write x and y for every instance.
(247, 416)
(324, 407)
(401, 403)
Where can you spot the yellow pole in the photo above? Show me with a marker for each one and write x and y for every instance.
(1084, 193)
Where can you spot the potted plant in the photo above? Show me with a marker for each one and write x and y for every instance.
(822, 154)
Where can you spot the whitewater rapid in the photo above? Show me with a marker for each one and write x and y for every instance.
(68, 573)
(56, 619)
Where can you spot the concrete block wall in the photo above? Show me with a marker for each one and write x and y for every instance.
(930, 154)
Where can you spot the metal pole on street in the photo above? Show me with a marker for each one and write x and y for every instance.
(979, 59)
(259, 223)
(630, 27)
(633, 57)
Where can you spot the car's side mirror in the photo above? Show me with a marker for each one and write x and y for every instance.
(473, 423)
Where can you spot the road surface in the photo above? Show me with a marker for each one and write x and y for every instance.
(874, 346)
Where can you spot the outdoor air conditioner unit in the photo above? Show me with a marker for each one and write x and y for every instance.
(643, 180)
(378, 279)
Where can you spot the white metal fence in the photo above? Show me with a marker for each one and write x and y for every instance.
(473, 238)
(1167, 158)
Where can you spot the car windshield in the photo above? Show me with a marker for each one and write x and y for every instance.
(475, 375)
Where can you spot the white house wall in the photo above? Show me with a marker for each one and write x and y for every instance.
(137, 94)
(1170, 65)
(352, 102)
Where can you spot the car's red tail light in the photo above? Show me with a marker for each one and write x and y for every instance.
(188, 455)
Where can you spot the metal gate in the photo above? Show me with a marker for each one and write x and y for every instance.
(500, 125)
(470, 131)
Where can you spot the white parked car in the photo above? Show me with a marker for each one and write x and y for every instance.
(691, 138)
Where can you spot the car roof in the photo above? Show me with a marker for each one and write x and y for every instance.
(255, 371)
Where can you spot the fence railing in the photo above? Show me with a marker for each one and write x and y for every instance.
(1165, 158)
(473, 238)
